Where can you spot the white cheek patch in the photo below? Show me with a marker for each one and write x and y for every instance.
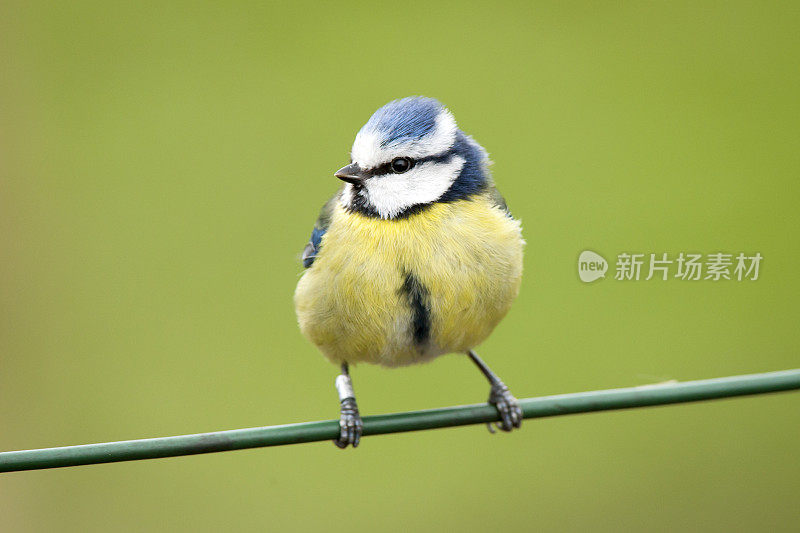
(368, 152)
(346, 199)
(392, 194)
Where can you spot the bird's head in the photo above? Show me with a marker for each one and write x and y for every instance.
(408, 155)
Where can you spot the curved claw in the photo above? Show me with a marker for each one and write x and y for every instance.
(507, 406)
(350, 425)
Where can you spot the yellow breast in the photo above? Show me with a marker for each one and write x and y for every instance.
(464, 257)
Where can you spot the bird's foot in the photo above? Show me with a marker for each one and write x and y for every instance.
(507, 406)
(350, 424)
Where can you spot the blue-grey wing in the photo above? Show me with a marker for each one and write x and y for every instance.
(498, 200)
(312, 249)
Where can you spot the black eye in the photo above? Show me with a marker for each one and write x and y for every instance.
(401, 164)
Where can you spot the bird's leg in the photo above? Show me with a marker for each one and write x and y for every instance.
(500, 397)
(349, 421)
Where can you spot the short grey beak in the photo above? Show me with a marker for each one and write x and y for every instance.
(352, 174)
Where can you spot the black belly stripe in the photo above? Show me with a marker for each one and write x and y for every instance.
(417, 296)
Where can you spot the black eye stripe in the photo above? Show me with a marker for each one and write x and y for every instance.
(386, 168)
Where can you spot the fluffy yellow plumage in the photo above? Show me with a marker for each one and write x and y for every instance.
(465, 255)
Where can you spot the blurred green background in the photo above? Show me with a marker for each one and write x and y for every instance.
(160, 170)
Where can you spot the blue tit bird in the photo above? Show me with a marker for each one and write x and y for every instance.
(417, 255)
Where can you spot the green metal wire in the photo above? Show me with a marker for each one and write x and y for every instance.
(237, 439)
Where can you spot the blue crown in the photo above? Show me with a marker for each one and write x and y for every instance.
(405, 120)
